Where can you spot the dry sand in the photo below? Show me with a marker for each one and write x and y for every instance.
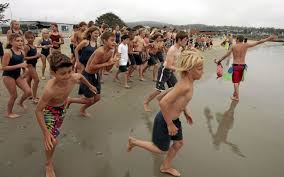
(226, 140)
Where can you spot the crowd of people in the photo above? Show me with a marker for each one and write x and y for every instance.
(95, 51)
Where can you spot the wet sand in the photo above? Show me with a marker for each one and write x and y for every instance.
(226, 139)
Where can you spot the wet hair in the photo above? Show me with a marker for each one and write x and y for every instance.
(240, 38)
(81, 24)
(29, 34)
(246, 40)
(89, 31)
(107, 35)
(181, 35)
(188, 60)
(59, 60)
(124, 37)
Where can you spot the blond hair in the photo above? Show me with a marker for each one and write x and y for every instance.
(188, 60)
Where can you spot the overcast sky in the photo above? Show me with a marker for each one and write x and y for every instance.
(257, 13)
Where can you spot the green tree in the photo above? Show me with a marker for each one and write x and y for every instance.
(111, 19)
(2, 10)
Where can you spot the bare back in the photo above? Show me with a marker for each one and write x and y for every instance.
(239, 53)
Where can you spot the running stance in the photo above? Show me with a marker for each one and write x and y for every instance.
(50, 110)
(86, 47)
(103, 57)
(13, 61)
(139, 48)
(167, 126)
(167, 69)
(239, 64)
(45, 44)
(31, 57)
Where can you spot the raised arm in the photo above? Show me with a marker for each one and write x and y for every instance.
(272, 37)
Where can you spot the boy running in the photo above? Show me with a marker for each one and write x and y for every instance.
(167, 125)
(50, 110)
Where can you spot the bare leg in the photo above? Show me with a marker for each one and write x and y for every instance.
(35, 79)
(84, 107)
(236, 92)
(126, 80)
(149, 146)
(49, 169)
(22, 84)
(155, 72)
(149, 99)
(131, 70)
(166, 166)
(101, 76)
(43, 60)
(116, 76)
(144, 69)
(140, 68)
(10, 84)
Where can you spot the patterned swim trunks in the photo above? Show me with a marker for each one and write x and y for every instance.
(53, 117)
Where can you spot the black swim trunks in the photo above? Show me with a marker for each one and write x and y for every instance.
(160, 136)
(165, 76)
(122, 69)
(94, 79)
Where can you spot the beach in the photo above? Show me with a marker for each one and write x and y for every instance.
(225, 140)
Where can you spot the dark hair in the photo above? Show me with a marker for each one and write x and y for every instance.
(54, 24)
(75, 27)
(89, 32)
(246, 40)
(91, 23)
(124, 37)
(240, 38)
(104, 26)
(59, 60)
(29, 34)
(82, 24)
(181, 35)
(107, 35)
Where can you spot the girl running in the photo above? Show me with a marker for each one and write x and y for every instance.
(56, 38)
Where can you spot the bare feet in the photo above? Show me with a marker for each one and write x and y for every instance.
(83, 113)
(43, 78)
(130, 80)
(116, 79)
(12, 115)
(142, 79)
(130, 144)
(154, 80)
(234, 98)
(23, 106)
(146, 108)
(49, 171)
(35, 100)
(127, 86)
(170, 171)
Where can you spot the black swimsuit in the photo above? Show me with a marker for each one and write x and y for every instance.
(14, 60)
(32, 52)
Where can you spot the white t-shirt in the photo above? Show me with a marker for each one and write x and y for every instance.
(123, 50)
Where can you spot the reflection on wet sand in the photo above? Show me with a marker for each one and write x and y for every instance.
(226, 122)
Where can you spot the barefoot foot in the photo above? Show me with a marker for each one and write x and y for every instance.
(84, 114)
(234, 98)
(12, 115)
(146, 108)
(170, 171)
(49, 171)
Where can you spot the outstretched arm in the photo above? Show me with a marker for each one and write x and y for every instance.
(272, 37)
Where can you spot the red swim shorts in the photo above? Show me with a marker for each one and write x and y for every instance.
(238, 72)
